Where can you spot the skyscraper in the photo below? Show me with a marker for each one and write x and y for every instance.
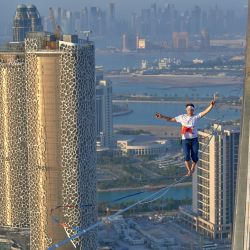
(21, 24)
(94, 11)
(26, 19)
(128, 42)
(14, 195)
(61, 139)
(35, 18)
(205, 40)
(104, 117)
(214, 182)
(112, 12)
(48, 139)
(241, 236)
(84, 19)
(180, 40)
(196, 20)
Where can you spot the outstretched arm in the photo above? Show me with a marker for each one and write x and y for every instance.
(164, 117)
(208, 109)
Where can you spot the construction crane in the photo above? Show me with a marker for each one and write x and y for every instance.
(56, 28)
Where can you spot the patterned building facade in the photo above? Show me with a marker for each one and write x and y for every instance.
(48, 141)
(14, 197)
(61, 139)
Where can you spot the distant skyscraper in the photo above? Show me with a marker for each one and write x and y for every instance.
(112, 11)
(185, 21)
(84, 19)
(134, 23)
(35, 19)
(26, 19)
(94, 19)
(154, 9)
(102, 23)
(180, 40)
(61, 139)
(196, 20)
(128, 42)
(22, 23)
(145, 22)
(104, 117)
(204, 20)
(205, 40)
(241, 237)
(230, 21)
(215, 20)
(214, 183)
(141, 43)
(14, 189)
(59, 15)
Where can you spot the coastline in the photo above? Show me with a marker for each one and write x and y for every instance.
(149, 188)
(178, 81)
(127, 112)
(156, 101)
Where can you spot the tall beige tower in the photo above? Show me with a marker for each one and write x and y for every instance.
(61, 139)
(14, 195)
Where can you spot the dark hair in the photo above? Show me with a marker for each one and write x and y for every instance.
(190, 104)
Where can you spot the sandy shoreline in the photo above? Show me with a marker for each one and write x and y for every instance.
(161, 101)
(149, 188)
(178, 81)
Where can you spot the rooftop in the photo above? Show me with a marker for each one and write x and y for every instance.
(48, 42)
(222, 128)
(142, 140)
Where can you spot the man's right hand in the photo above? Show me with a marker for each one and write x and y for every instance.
(158, 115)
(213, 102)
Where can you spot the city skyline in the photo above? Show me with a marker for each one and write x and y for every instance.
(76, 138)
(124, 9)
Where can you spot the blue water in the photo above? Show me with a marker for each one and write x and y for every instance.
(143, 114)
(177, 193)
(161, 90)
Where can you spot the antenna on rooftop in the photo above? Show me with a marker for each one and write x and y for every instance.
(86, 33)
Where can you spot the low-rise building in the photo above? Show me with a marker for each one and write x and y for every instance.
(141, 145)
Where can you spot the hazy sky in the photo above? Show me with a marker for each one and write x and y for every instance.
(8, 6)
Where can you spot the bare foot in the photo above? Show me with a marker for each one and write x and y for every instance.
(192, 170)
(188, 167)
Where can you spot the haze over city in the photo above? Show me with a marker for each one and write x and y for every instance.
(123, 7)
(124, 125)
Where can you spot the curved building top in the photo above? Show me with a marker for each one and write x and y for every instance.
(21, 6)
(26, 19)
